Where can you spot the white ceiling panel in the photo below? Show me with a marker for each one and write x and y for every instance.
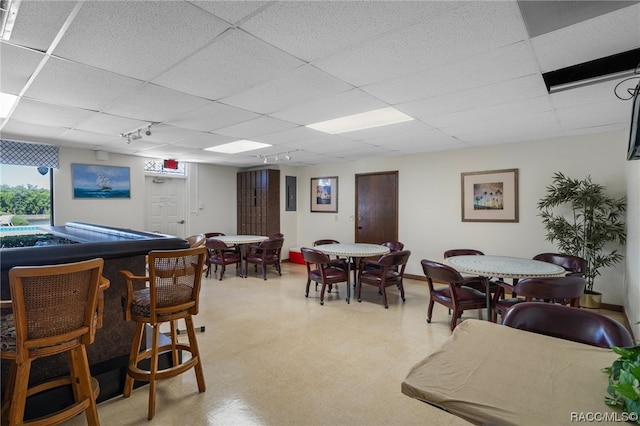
(447, 38)
(150, 36)
(30, 111)
(209, 72)
(232, 11)
(234, 62)
(502, 64)
(322, 28)
(302, 85)
(109, 124)
(155, 104)
(212, 116)
(68, 83)
(351, 102)
(17, 66)
(40, 22)
(596, 38)
(254, 128)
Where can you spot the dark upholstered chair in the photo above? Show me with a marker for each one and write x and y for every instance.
(174, 279)
(324, 271)
(56, 310)
(337, 262)
(569, 323)
(391, 272)
(574, 265)
(219, 254)
(549, 289)
(265, 254)
(393, 245)
(456, 296)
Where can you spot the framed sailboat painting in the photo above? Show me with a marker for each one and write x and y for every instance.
(91, 181)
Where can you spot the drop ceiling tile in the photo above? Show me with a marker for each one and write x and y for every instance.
(311, 30)
(82, 138)
(446, 38)
(494, 113)
(18, 130)
(31, 111)
(302, 85)
(481, 97)
(38, 22)
(140, 38)
(291, 135)
(234, 62)
(67, 83)
(108, 124)
(501, 64)
(255, 128)
(351, 102)
(155, 104)
(232, 11)
(212, 116)
(164, 134)
(595, 38)
(577, 96)
(17, 66)
(203, 140)
(595, 114)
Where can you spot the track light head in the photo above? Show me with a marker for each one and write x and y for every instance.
(148, 132)
(287, 157)
(265, 160)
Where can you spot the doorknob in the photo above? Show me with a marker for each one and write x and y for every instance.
(359, 227)
(181, 222)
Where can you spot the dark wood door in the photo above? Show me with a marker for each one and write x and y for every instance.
(376, 207)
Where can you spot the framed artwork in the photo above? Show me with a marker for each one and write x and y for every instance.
(290, 184)
(324, 194)
(490, 196)
(99, 182)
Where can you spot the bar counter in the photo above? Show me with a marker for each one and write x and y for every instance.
(120, 249)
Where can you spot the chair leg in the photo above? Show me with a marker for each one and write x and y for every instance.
(264, 271)
(153, 371)
(135, 350)
(82, 385)
(306, 294)
(174, 342)
(19, 393)
(430, 310)
(384, 297)
(322, 293)
(222, 268)
(454, 319)
(195, 353)
(401, 287)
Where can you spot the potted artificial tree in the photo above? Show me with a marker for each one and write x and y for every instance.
(584, 221)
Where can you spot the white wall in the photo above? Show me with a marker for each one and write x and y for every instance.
(429, 198)
(429, 201)
(632, 260)
(122, 213)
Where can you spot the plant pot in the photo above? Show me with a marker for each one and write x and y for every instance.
(591, 300)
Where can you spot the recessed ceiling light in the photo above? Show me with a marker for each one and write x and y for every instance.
(237, 146)
(365, 120)
(6, 104)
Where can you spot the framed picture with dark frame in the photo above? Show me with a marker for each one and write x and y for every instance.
(100, 182)
(490, 196)
(324, 194)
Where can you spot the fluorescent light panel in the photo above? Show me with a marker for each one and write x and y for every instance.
(6, 104)
(365, 120)
(237, 146)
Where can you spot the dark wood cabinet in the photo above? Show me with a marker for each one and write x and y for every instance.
(259, 202)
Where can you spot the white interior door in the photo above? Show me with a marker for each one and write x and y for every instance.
(165, 206)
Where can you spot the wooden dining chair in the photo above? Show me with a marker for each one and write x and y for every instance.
(550, 289)
(569, 323)
(55, 311)
(456, 296)
(324, 270)
(390, 272)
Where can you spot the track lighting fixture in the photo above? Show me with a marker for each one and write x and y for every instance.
(277, 157)
(136, 134)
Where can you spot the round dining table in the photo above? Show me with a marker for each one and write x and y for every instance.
(241, 241)
(353, 251)
(488, 266)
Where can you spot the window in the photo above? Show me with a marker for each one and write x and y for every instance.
(25, 195)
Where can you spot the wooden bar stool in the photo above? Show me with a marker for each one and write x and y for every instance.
(173, 293)
(55, 309)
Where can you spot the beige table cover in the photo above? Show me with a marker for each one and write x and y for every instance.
(491, 373)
